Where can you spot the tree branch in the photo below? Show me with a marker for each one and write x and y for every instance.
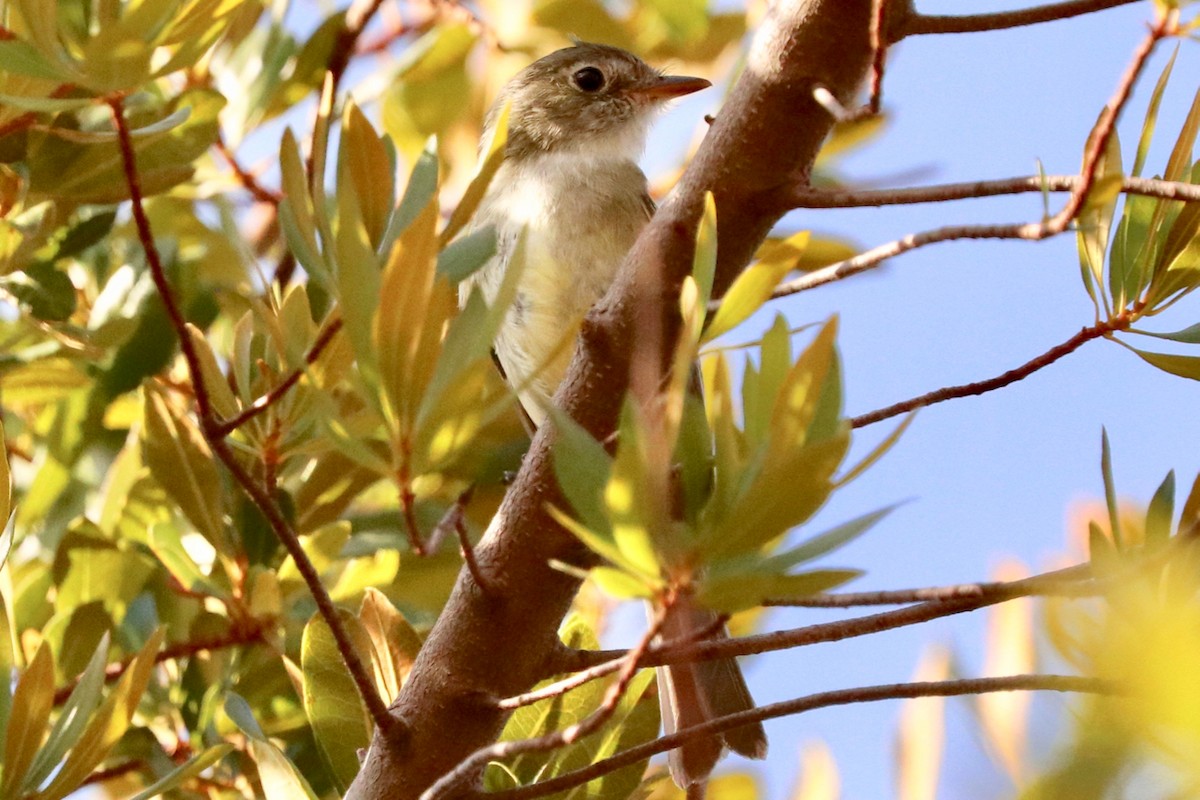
(497, 644)
(1104, 328)
(1070, 582)
(1164, 26)
(920, 24)
(809, 197)
(865, 694)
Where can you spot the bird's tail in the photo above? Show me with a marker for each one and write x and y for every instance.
(691, 694)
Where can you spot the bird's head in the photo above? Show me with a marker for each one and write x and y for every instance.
(592, 100)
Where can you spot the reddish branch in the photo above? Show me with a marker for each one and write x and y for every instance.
(1104, 328)
(865, 694)
(226, 427)
(974, 23)
(247, 179)
(243, 635)
(208, 421)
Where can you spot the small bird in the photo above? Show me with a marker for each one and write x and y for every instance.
(571, 189)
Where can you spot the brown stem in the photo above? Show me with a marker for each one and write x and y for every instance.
(248, 181)
(864, 694)
(243, 635)
(974, 23)
(226, 427)
(1100, 329)
(809, 197)
(1070, 582)
(207, 420)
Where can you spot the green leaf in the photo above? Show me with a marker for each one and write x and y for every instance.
(75, 715)
(621, 584)
(1151, 119)
(1183, 366)
(583, 468)
(191, 768)
(466, 254)
(493, 156)
(370, 170)
(1110, 489)
(114, 577)
(28, 718)
(7, 667)
(181, 461)
(1095, 218)
(731, 593)
(418, 194)
(21, 58)
(1189, 335)
(279, 777)
(331, 701)
(830, 540)
(1160, 512)
(47, 293)
(749, 291)
(704, 260)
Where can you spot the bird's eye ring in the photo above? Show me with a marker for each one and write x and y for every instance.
(589, 79)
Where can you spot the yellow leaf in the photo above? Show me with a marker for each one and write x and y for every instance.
(750, 290)
(1004, 715)
(492, 158)
(818, 774)
(922, 733)
(28, 719)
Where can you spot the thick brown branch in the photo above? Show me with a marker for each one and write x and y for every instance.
(497, 644)
(808, 197)
(1100, 329)
(974, 23)
(864, 694)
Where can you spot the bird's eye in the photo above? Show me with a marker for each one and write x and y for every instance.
(589, 79)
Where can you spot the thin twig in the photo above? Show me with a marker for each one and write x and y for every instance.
(556, 739)
(600, 670)
(809, 197)
(247, 179)
(974, 23)
(864, 694)
(1104, 328)
(1029, 231)
(324, 337)
(714, 649)
(1070, 582)
(246, 634)
(220, 447)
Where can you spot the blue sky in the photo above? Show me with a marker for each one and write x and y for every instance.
(989, 476)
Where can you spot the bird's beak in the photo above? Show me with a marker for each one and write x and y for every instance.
(665, 87)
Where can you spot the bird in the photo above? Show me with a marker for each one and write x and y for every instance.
(570, 191)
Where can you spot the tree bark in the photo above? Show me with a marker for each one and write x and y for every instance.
(496, 641)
